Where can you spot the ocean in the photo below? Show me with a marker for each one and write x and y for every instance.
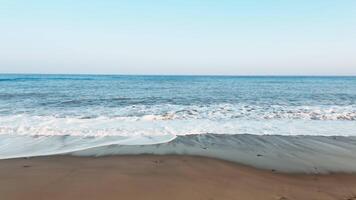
(112, 114)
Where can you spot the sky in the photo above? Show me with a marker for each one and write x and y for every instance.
(222, 37)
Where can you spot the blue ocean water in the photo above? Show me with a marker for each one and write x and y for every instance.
(157, 109)
(81, 95)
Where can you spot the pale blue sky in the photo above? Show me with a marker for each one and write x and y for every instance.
(232, 37)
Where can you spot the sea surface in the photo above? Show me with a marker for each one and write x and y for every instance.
(52, 114)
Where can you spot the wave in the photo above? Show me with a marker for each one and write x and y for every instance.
(121, 107)
(153, 125)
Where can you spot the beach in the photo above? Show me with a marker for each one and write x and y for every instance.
(161, 177)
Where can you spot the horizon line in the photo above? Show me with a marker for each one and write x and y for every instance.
(222, 75)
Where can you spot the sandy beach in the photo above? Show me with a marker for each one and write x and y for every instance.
(160, 177)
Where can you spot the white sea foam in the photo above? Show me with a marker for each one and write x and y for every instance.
(156, 125)
(231, 111)
(24, 135)
(27, 135)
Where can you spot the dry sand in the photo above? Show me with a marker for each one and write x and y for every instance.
(160, 177)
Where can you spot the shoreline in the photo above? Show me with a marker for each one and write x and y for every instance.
(161, 177)
(296, 154)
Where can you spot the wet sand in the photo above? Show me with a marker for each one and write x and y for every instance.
(160, 177)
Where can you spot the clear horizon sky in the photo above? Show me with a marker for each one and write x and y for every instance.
(226, 37)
